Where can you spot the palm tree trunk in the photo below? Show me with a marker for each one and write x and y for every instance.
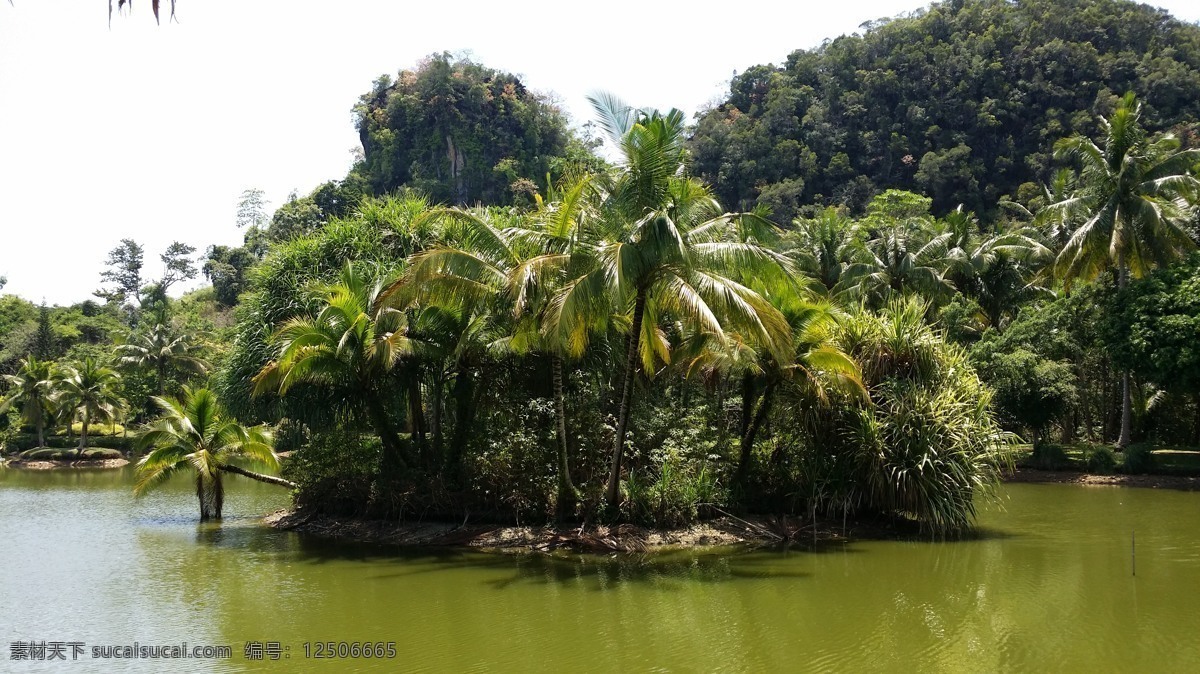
(416, 414)
(1126, 412)
(205, 510)
(435, 415)
(1126, 396)
(211, 494)
(747, 403)
(463, 393)
(83, 433)
(566, 490)
(218, 495)
(612, 492)
(752, 431)
(161, 379)
(41, 430)
(722, 421)
(269, 479)
(393, 457)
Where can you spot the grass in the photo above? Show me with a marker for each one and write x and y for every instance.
(1168, 459)
(94, 429)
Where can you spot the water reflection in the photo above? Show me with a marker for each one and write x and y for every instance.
(1044, 585)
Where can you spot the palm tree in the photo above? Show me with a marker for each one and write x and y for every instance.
(90, 390)
(194, 433)
(825, 246)
(1055, 226)
(996, 270)
(815, 366)
(33, 390)
(350, 348)
(663, 246)
(1134, 197)
(491, 271)
(900, 261)
(161, 351)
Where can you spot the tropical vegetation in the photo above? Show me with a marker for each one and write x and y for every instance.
(851, 289)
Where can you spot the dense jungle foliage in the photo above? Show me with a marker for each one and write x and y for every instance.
(962, 101)
(658, 339)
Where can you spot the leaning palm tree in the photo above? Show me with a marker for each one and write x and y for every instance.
(161, 350)
(90, 390)
(193, 433)
(350, 348)
(663, 247)
(1135, 196)
(33, 392)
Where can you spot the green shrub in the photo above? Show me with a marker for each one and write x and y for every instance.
(513, 468)
(23, 441)
(94, 429)
(1050, 456)
(680, 479)
(1139, 458)
(335, 472)
(1100, 459)
(927, 443)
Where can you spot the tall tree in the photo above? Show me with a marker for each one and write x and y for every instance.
(124, 272)
(662, 246)
(178, 265)
(43, 343)
(252, 209)
(1135, 197)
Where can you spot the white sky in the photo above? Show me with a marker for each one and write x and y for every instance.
(151, 132)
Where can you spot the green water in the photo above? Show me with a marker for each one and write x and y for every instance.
(1047, 587)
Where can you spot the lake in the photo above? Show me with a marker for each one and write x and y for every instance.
(1046, 586)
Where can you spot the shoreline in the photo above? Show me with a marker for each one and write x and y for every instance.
(1035, 476)
(60, 464)
(507, 538)
(724, 531)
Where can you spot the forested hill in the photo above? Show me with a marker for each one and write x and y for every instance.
(962, 101)
(460, 132)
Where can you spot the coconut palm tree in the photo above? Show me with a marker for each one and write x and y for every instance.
(663, 247)
(162, 351)
(996, 269)
(825, 246)
(815, 367)
(900, 261)
(90, 390)
(193, 433)
(493, 271)
(350, 347)
(33, 392)
(1134, 196)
